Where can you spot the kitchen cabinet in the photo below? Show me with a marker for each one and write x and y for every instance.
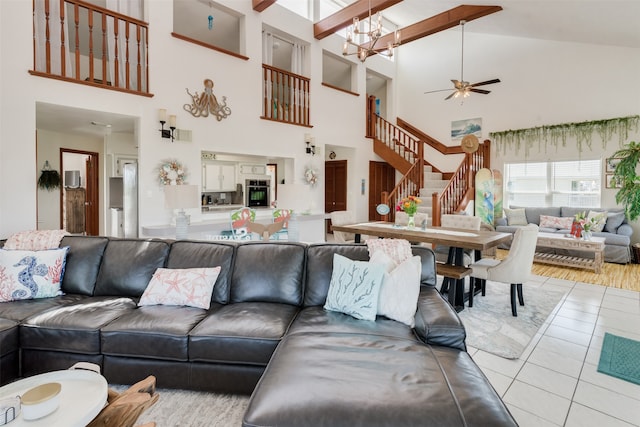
(247, 169)
(218, 177)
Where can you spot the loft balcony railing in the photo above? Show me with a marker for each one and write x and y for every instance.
(285, 96)
(83, 43)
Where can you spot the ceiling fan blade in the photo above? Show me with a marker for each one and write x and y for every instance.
(451, 96)
(479, 91)
(488, 82)
(439, 90)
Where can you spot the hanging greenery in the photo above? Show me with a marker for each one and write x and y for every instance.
(49, 178)
(625, 173)
(555, 135)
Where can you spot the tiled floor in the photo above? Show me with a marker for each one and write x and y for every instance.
(555, 382)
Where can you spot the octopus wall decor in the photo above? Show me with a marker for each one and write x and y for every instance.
(206, 103)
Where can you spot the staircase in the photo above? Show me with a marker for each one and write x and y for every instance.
(432, 183)
(402, 146)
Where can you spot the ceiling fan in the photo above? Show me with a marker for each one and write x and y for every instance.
(462, 88)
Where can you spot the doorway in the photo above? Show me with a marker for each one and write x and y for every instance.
(79, 198)
(382, 177)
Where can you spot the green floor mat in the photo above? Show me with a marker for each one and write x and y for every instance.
(620, 358)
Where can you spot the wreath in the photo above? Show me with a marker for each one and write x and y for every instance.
(311, 176)
(171, 173)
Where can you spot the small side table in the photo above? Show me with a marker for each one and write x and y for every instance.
(83, 395)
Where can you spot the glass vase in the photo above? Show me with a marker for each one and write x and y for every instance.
(586, 235)
(411, 224)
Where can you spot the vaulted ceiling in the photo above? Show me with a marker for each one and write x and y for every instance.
(606, 22)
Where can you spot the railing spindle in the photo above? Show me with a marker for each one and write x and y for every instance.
(127, 78)
(47, 33)
(63, 49)
(91, 59)
(104, 48)
(76, 20)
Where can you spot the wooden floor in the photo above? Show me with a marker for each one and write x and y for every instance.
(614, 275)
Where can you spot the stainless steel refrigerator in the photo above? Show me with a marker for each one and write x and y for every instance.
(123, 202)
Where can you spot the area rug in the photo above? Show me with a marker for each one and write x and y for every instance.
(194, 409)
(491, 327)
(619, 358)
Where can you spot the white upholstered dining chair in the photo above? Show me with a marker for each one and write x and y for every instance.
(463, 222)
(515, 269)
(343, 218)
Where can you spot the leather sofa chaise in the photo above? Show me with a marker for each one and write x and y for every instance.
(266, 334)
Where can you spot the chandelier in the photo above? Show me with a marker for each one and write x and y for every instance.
(365, 41)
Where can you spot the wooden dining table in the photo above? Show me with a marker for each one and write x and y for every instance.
(458, 239)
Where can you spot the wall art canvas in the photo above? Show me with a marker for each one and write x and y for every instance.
(462, 128)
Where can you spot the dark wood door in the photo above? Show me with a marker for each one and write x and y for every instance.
(335, 186)
(382, 177)
(93, 201)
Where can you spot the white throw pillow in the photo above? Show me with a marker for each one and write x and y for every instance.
(516, 216)
(400, 289)
(31, 274)
(354, 288)
(192, 287)
(602, 220)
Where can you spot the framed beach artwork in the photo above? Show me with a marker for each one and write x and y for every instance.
(610, 164)
(612, 181)
(462, 128)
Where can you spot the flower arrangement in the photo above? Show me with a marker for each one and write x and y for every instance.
(311, 176)
(585, 223)
(409, 205)
(171, 173)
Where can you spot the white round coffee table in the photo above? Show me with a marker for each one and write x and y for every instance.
(82, 397)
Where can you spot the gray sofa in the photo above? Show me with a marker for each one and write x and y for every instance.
(266, 334)
(617, 232)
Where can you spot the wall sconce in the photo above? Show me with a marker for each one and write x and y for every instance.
(167, 133)
(311, 147)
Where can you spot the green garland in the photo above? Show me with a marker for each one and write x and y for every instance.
(555, 135)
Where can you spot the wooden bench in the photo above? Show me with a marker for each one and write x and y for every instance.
(457, 272)
(451, 274)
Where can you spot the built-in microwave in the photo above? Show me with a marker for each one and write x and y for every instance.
(257, 192)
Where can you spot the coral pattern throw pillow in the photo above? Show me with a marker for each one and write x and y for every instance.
(35, 240)
(560, 223)
(399, 250)
(31, 274)
(192, 287)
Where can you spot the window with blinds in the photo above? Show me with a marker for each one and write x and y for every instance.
(570, 183)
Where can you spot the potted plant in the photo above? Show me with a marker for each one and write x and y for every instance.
(49, 178)
(625, 173)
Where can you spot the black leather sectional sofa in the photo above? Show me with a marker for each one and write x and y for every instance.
(266, 334)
